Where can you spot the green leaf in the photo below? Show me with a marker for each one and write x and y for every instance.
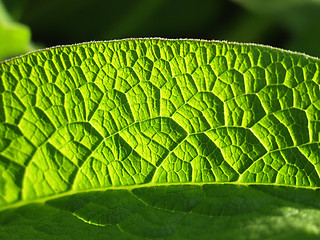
(160, 139)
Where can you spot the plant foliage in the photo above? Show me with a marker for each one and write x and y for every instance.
(160, 139)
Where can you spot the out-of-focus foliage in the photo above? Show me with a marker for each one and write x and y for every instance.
(289, 24)
(14, 37)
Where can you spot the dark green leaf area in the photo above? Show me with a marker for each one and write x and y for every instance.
(171, 212)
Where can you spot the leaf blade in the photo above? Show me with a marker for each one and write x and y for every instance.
(143, 113)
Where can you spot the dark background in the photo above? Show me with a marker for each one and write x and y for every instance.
(289, 24)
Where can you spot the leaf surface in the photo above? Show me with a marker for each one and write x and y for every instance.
(154, 139)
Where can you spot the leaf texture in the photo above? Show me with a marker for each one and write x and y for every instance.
(100, 132)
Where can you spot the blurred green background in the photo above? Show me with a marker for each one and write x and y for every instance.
(26, 25)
